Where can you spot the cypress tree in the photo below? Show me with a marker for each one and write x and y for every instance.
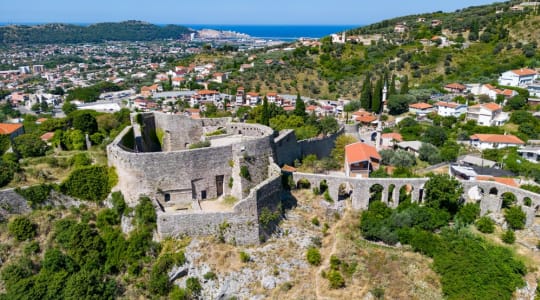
(299, 107)
(265, 115)
(392, 87)
(365, 98)
(404, 85)
(377, 96)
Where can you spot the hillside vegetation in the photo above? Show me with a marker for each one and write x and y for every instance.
(67, 33)
(476, 38)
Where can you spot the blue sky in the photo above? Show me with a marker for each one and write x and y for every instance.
(223, 11)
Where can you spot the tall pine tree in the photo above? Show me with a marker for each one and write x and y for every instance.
(377, 96)
(365, 98)
(265, 114)
(404, 85)
(299, 107)
(392, 87)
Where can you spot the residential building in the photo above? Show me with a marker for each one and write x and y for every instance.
(534, 90)
(240, 96)
(420, 108)
(390, 139)
(448, 109)
(531, 154)
(456, 88)
(253, 98)
(411, 146)
(487, 114)
(494, 141)
(13, 130)
(147, 91)
(521, 77)
(361, 159)
(470, 160)
(400, 28)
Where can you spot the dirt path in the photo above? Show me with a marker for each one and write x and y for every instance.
(328, 251)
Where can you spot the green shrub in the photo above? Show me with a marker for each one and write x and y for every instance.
(485, 224)
(316, 191)
(515, 217)
(335, 262)
(22, 228)
(313, 256)
(508, 237)
(244, 173)
(193, 286)
(315, 221)
(335, 279)
(201, 144)
(31, 248)
(89, 183)
(118, 202)
(244, 257)
(210, 276)
(468, 213)
(327, 197)
(303, 184)
(80, 160)
(35, 195)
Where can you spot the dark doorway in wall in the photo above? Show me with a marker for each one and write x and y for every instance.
(219, 184)
(203, 195)
(167, 197)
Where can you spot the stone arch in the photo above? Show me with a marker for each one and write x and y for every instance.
(405, 193)
(508, 199)
(390, 191)
(303, 183)
(527, 201)
(344, 191)
(375, 192)
(323, 186)
(475, 194)
(537, 210)
(493, 191)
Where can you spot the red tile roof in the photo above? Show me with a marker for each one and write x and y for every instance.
(420, 105)
(360, 152)
(8, 128)
(524, 72)
(503, 180)
(489, 106)
(207, 92)
(447, 104)
(455, 86)
(498, 138)
(393, 135)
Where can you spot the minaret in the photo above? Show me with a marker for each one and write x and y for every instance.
(384, 94)
(378, 140)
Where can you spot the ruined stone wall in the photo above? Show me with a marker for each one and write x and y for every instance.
(240, 226)
(287, 148)
(180, 131)
(189, 174)
(322, 147)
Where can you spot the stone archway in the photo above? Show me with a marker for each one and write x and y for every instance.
(344, 191)
(405, 193)
(527, 201)
(390, 193)
(508, 199)
(475, 194)
(375, 193)
(493, 191)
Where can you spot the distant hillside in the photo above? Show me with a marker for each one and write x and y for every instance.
(480, 43)
(66, 33)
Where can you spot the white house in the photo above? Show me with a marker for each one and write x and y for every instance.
(447, 109)
(420, 108)
(521, 77)
(531, 154)
(253, 98)
(495, 141)
(487, 114)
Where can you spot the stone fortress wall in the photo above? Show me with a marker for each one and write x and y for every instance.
(179, 177)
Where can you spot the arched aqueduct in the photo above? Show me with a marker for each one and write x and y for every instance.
(488, 193)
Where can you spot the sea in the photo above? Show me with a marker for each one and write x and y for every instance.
(267, 32)
(279, 32)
